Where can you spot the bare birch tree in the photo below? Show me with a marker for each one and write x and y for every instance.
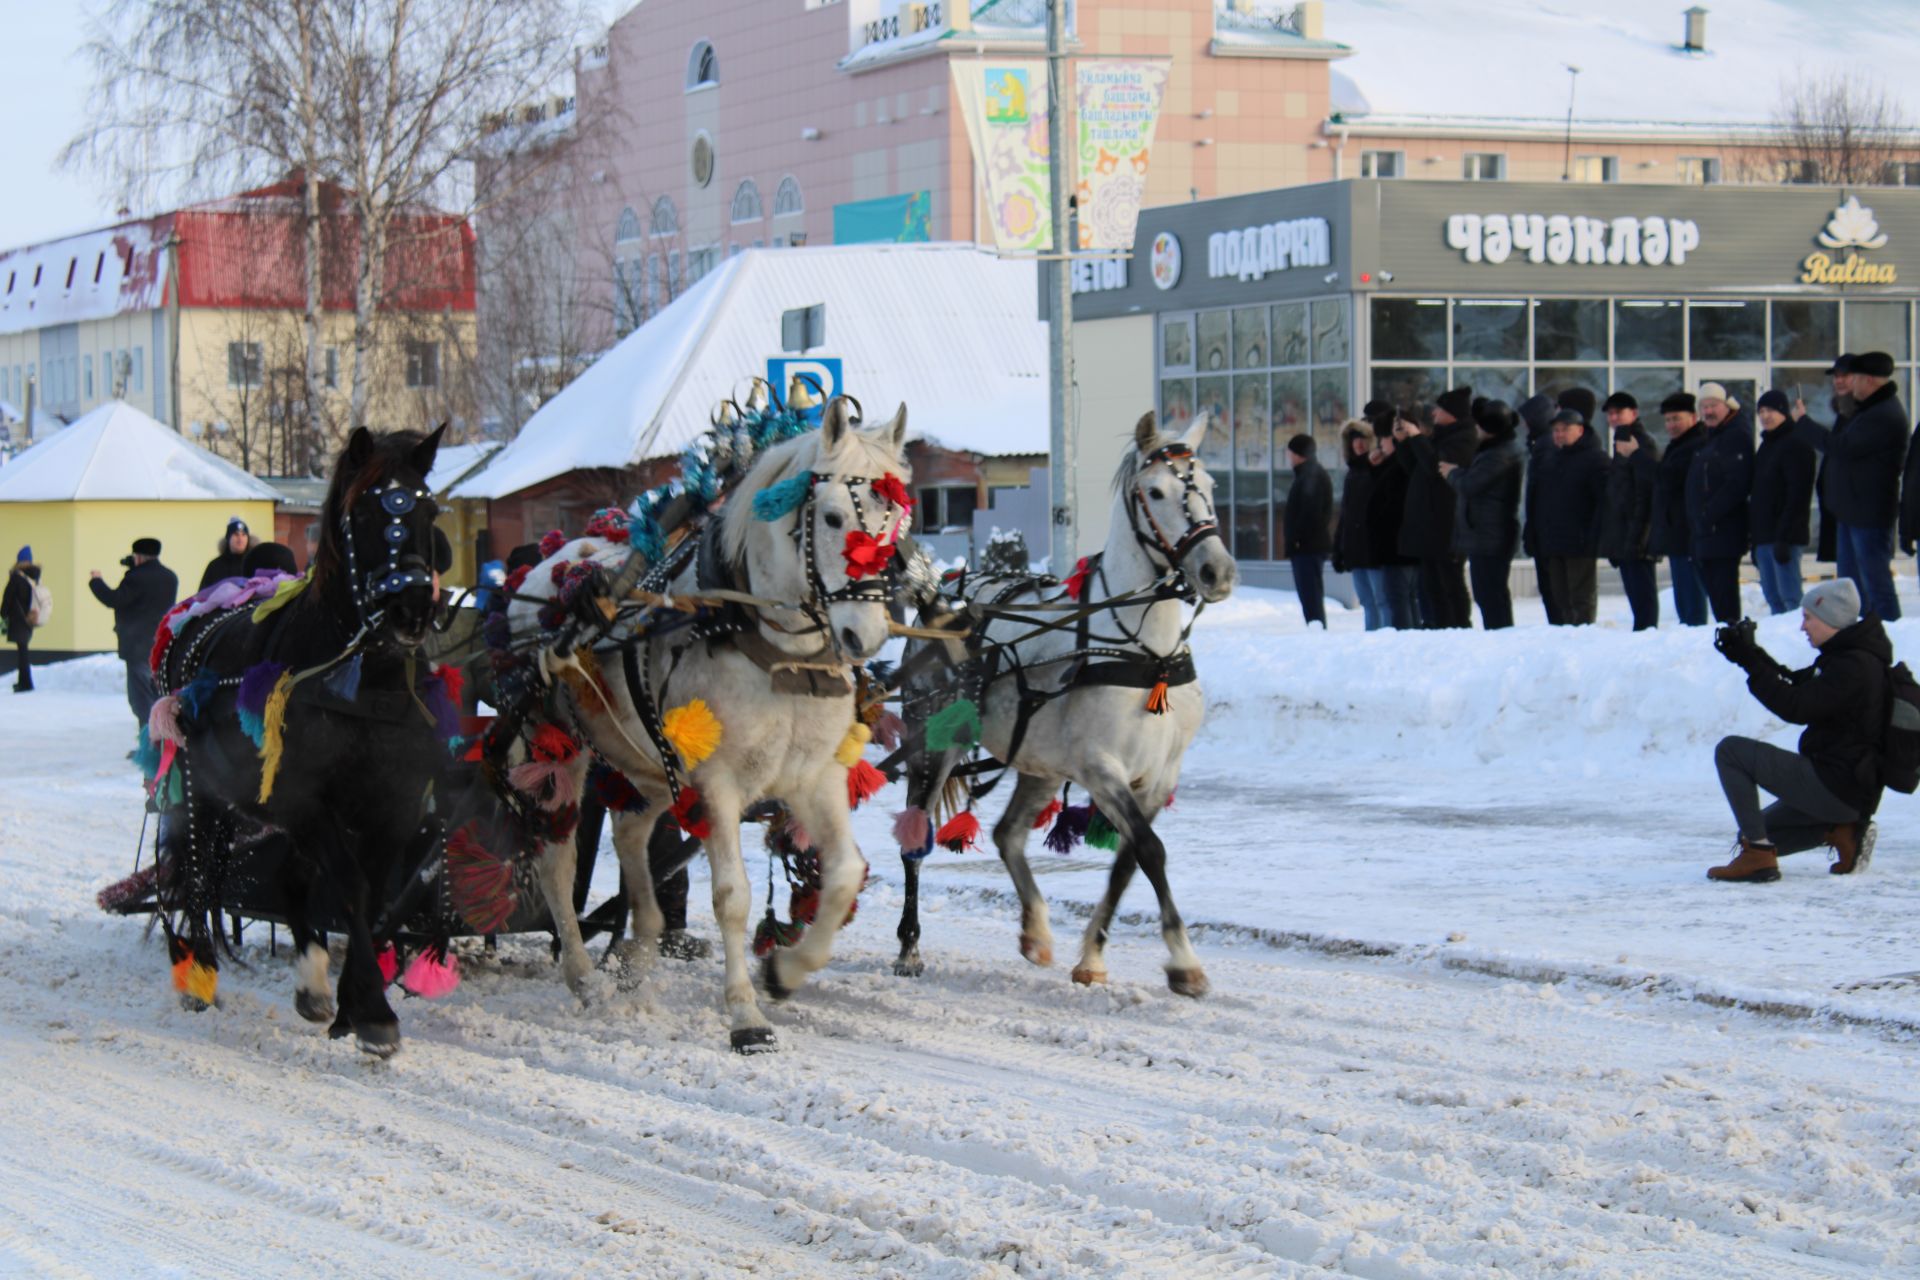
(1838, 129)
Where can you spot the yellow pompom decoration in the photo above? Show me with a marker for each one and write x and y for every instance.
(693, 730)
(853, 745)
(191, 978)
(273, 739)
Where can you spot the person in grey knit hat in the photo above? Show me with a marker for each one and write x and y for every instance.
(1825, 793)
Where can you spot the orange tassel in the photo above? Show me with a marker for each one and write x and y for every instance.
(1157, 700)
(863, 780)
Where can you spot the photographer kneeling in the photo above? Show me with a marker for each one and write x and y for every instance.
(1828, 790)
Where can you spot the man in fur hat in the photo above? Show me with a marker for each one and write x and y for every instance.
(1865, 456)
(146, 592)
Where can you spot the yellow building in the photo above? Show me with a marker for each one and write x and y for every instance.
(80, 498)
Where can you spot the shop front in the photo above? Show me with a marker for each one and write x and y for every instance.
(1282, 313)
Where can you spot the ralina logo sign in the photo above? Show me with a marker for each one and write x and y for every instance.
(1851, 227)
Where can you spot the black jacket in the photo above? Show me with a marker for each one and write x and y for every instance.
(1571, 484)
(1487, 518)
(1910, 496)
(1671, 535)
(16, 602)
(143, 597)
(228, 564)
(1718, 485)
(1353, 544)
(1864, 460)
(1781, 509)
(1387, 513)
(1626, 516)
(1427, 531)
(1842, 699)
(1308, 524)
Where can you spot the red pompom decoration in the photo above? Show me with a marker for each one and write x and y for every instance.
(1049, 813)
(552, 744)
(517, 578)
(863, 780)
(690, 813)
(1077, 580)
(551, 543)
(866, 555)
(890, 488)
(453, 680)
(961, 832)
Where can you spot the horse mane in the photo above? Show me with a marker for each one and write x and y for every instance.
(391, 451)
(861, 453)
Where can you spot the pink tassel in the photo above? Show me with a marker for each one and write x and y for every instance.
(431, 975)
(389, 964)
(163, 722)
(888, 729)
(912, 829)
(534, 778)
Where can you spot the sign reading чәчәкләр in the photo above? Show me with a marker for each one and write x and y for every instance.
(1561, 238)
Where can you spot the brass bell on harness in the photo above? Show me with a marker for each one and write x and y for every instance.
(757, 395)
(800, 396)
(725, 414)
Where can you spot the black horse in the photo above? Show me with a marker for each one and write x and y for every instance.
(309, 739)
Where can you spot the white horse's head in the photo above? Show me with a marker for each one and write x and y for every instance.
(1163, 500)
(839, 495)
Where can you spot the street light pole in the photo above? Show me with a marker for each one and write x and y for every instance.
(1566, 155)
(1060, 311)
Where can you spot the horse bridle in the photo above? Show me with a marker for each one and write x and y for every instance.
(1173, 552)
(372, 593)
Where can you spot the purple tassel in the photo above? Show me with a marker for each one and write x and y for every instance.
(257, 685)
(1070, 828)
(446, 716)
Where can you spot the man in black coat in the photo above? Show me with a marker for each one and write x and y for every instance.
(1718, 485)
(1537, 413)
(231, 562)
(1626, 517)
(1308, 528)
(1427, 533)
(1827, 791)
(1487, 515)
(141, 600)
(1780, 513)
(1672, 537)
(1864, 461)
(1572, 487)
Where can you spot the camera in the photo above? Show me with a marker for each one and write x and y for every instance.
(126, 561)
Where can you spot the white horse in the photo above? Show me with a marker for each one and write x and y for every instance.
(1087, 718)
(781, 689)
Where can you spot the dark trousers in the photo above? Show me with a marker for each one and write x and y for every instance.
(1865, 554)
(1689, 595)
(664, 849)
(1490, 590)
(141, 695)
(1444, 603)
(1544, 581)
(1309, 581)
(1804, 811)
(23, 673)
(1721, 578)
(1643, 593)
(1572, 588)
(1403, 608)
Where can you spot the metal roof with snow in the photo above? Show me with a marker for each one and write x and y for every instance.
(117, 452)
(950, 331)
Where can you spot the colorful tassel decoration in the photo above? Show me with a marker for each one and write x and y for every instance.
(954, 726)
(1157, 700)
(611, 788)
(777, 500)
(146, 755)
(689, 812)
(961, 832)
(256, 686)
(195, 980)
(890, 488)
(866, 555)
(1101, 833)
(693, 730)
(163, 722)
(480, 883)
(1077, 580)
(273, 738)
(775, 932)
(849, 751)
(431, 974)
(194, 698)
(282, 596)
(389, 961)
(552, 781)
(863, 781)
(550, 543)
(888, 729)
(914, 831)
(1048, 814)
(343, 682)
(1070, 828)
(553, 744)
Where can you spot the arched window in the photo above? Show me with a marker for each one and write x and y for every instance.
(629, 227)
(786, 200)
(666, 218)
(746, 203)
(703, 66)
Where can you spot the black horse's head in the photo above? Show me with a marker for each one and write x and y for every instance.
(379, 552)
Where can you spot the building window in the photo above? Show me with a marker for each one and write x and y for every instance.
(628, 227)
(1383, 164)
(423, 364)
(786, 199)
(139, 381)
(703, 67)
(1805, 173)
(1484, 166)
(1700, 171)
(746, 203)
(1596, 169)
(946, 507)
(243, 364)
(86, 376)
(1902, 173)
(666, 218)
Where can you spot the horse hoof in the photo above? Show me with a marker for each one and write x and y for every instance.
(312, 1007)
(752, 1040)
(770, 978)
(1036, 951)
(678, 944)
(1089, 977)
(380, 1039)
(193, 1004)
(908, 968)
(1187, 982)
(341, 1028)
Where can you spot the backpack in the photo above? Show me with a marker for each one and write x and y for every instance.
(42, 611)
(1900, 740)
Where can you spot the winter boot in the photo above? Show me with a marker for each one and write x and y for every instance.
(1852, 844)
(1754, 864)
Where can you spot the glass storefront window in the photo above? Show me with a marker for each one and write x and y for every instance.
(1487, 330)
(1409, 328)
(1252, 444)
(1329, 331)
(1879, 326)
(1215, 349)
(1176, 344)
(1729, 330)
(1551, 380)
(1649, 386)
(1498, 382)
(1407, 388)
(1250, 338)
(1290, 333)
(1648, 329)
(1566, 329)
(1176, 403)
(1290, 411)
(1216, 450)
(1805, 330)
(1809, 383)
(1329, 414)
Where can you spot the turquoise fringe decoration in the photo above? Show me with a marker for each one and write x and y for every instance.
(146, 755)
(778, 500)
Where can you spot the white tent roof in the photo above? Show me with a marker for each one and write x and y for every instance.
(949, 330)
(118, 452)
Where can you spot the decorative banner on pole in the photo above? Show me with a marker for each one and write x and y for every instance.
(1117, 107)
(1004, 105)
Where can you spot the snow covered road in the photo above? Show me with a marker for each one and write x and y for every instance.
(1319, 1114)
